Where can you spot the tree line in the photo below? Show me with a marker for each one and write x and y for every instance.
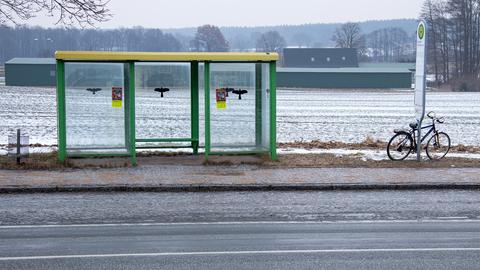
(22, 41)
(391, 44)
(453, 51)
(454, 42)
(41, 42)
(384, 45)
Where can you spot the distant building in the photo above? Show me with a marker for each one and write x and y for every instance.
(334, 68)
(303, 68)
(30, 72)
(320, 58)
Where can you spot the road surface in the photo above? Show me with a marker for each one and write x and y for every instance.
(241, 230)
(75, 208)
(257, 245)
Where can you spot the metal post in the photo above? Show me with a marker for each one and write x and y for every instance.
(258, 105)
(18, 146)
(273, 110)
(207, 109)
(194, 106)
(419, 141)
(126, 104)
(420, 81)
(61, 112)
(131, 101)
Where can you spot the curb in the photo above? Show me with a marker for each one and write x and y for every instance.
(239, 188)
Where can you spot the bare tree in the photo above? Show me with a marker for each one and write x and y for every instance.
(240, 43)
(349, 35)
(429, 13)
(69, 12)
(390, 45)
(302, 39)
(209, 38)
(270, 41)
(454, 35)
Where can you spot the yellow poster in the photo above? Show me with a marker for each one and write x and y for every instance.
(221, 98)
(117, 97)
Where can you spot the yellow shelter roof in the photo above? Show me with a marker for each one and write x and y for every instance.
(164, 56)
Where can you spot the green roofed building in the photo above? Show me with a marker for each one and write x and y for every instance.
(30, 72)
(339, 69)
(302, 68)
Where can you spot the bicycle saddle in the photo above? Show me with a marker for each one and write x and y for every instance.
(413, 125)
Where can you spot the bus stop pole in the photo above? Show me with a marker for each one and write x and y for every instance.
(18, 146)
(420, 81)
(419, 141)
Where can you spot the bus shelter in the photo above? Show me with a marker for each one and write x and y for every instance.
(115, 103)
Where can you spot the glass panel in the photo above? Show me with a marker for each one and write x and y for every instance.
(201, 101)
(239, 107)
(265, 112)
(95, 107)
(163, 108)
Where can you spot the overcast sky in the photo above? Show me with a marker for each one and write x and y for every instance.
(185, 13)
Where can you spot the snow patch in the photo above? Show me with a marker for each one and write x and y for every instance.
(364, 154)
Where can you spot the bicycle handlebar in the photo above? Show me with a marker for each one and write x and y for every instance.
(433, 116)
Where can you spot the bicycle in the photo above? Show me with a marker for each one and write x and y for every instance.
(404, 142)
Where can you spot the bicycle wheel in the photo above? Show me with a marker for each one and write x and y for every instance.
(438, 146)
(400, 146)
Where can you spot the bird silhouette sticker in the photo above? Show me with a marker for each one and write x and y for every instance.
(161, 90)
(94, 90)
(239, 92)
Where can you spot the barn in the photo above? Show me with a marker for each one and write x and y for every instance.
(30, 72)
(333, 68)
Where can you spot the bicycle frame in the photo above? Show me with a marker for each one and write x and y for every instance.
(431, 128)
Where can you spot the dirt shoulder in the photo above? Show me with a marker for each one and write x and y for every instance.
(283, 161)
(316, 154)
(333, 161)
(368, 143)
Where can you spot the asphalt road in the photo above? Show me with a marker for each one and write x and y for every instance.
(78, 208)
(260, 245)
(437, 229)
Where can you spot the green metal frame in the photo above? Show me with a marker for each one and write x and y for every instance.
(194, 106)
(129, 82)
(126, 111)
(207, 109)
(258, 116)
(130, 135)
(273, 111)
(258, 104)
(164, 147)
(61, 112)
(131, 105)
(167, 140)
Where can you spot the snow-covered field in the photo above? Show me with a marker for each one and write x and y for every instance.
(365, 154)
(348, 116)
